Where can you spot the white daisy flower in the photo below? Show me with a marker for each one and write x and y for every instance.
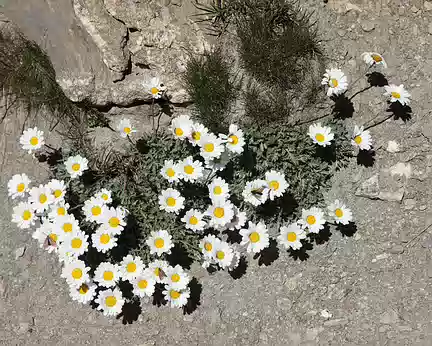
(373, 58)
(160, 242)
(58, 189)
(221, 213)
(18, 185)
(23, 215)
(171, 201)
(208, 246)
(218, 164)
(64, 225)
(76, 165)
(124, 127)
(340, 213)
(155, 87)
(171, 171)
(361, 139)
(104, 239)
(193, 220)
(105, 195)
(235, 261)
(32, 139)
(397, 94)
(313, 219)
(336, 81)
(110, 302)
(176, 299)
(131, 267)
(256, 192)
(181, 127)
(83, 294)
(75, 243)
(224, 254)
(94, 209)
(191, 170)
(107, 274)
(144, 284)
(64, 256)
(59, 209)
(218, 189)
(239, 219)
(176, 278)
(320, 135)
(255, 237)
(158, 268)
(40, 198)
(114, 219)
(235, 140)
(276, 183)
(198, 130)
(75, 272)
(291, 235)
(46, 237)
(211, 146)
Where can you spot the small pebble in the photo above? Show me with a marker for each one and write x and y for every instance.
(325, 314)
(397, 249)
(20, 252)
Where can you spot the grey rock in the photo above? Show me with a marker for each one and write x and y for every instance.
(389, 317)
(430, 28)
(336, 322)
(20, 252)
(367, 25)
(409, 203)
(369, 188)
(427, 5)
(392, 196)
(397, 249)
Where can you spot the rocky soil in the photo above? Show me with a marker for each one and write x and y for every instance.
(370, 288)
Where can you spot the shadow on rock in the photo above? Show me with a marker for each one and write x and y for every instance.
(195, 297)
(269, 254)
(301, 254)
(347, 230)
(238, 272)
(366, 158)
(376, 79)
(130, 312)
(400, 112)
(343, 107)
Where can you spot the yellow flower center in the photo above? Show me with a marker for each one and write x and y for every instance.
(254, 237)
(76, 167)
(189, 169)
(311, 219)
(67, 227)
(104, 238)
(105, 197)
(77, 273)
(159, 243)
(34, 141)
(319, 137)
(20, 187)
(292, 236)
(178, 131)
(142, 284)
(170, 172)
(358, 139)
(131, 267)
(234, 139)
(96, 210)
(377, 58)
(76, 243)
(196, 135)
(209, 147)
(274, 185)
(110, 301)
(220, 255)
(208, 246)
(27, 215)
(217, 190)
(108, 276)
(333, 83)
(175, 278)
(339, 212)
(53, 237)
(83, 289)
(174, 294)
(395, 94)
(219, 212)
(127, 130)
(57, 193)
(193, 220)
(171, 202)
(61, 211)
(154, 90)
(114, 222)
(43, 198)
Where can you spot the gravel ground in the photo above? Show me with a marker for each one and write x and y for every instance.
(370, 288)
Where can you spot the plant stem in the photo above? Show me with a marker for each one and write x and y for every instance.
(311, 120)
(360, 91)
(378, 122)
